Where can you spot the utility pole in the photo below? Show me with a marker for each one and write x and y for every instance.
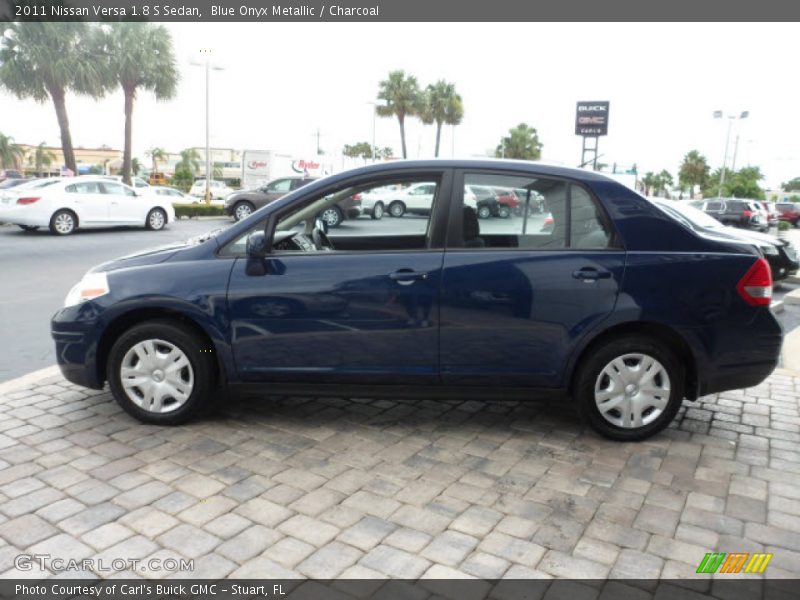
(318, 135)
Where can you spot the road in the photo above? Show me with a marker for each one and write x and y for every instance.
(38, 269)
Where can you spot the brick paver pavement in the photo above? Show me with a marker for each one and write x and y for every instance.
(331, 487)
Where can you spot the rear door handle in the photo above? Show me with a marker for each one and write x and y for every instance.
(590, 274)
(407, 276)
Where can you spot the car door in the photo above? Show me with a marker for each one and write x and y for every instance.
(88, 201)
(517, 293)
(125, 207)
(366, 312)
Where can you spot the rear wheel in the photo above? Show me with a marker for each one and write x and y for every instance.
(63, 222)
(503, 212)
(630, 388)
(29, 227)
(156, 219)
(332, 216)
(377, 211)
(161, 372)
(397, 208)
(484, 212)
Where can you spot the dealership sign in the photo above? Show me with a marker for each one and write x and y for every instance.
(591, 118)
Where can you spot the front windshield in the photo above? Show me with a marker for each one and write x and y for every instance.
(695, 217)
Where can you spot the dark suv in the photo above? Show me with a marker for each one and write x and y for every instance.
(241, 204)
(736, 213)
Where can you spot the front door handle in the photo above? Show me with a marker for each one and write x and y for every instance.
(407, 276)
(589, 274)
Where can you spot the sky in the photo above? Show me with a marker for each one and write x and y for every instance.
(281, 82)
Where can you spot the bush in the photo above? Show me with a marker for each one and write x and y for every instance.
(784, 226)
(198, 210)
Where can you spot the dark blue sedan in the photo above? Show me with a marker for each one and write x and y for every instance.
(587, 291)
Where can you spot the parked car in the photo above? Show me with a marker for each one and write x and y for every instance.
(242, 204)
(763, 210)
(507, 201)
(416, 199)
(780, 254)
(219, 189)
(736, 212)
(10, 183)
(10, 174)
(66, 204)
(621, 307)
(789, 211)
(486, 201)
(773, 215)
(175, 195)
(157, 178)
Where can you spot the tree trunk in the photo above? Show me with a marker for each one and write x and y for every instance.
(402, 120)
(438, 138)
(63, 124)
(126, 156)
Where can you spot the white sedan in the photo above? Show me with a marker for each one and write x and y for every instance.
(66, 204)
(218, 189)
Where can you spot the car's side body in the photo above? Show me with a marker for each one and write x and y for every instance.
(789, 211)
(501, 321)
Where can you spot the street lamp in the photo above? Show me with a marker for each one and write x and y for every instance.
(208, 66)
(731, 118)
(374, 112)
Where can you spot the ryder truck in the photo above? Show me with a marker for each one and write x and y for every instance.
(261, 166)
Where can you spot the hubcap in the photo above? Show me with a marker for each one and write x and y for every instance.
(330, 217)
(396, 210)
(156, 220)
(64, 223)
(632, 391)
(243, 211)
(157, 376)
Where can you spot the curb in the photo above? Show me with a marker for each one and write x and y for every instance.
(27, 379)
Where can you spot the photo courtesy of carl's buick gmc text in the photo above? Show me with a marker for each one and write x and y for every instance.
(386, 300)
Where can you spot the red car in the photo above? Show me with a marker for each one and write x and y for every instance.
(507, 202)
(789, 211)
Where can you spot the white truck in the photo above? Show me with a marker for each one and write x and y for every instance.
(261, 166)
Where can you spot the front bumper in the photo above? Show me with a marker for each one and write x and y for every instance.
(75, 331)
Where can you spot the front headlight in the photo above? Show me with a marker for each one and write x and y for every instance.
(769, 250)
(93, 285)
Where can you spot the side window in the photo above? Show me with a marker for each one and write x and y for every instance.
(510, 211)
(588, 225)
(714, 206)
(117, 189)
(84, 187)
(281, 185)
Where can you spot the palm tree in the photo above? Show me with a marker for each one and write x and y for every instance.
(454, 114)
(441, 102)
(43, 158)
(136, 166)
(402, 96)
(694, 171)
(665, 181)
(11, 154)
(521, 142)
(189, 162)
(42, 60)
(157, 154)
(137, 56)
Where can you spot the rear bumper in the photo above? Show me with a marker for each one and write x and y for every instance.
(740, 357)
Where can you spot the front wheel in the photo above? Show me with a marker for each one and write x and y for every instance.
(397, 209)
(377, 211)
(484, 212)
(161, 372)
(242, 210)
(332, 216)
(630, 388)
(156, 219)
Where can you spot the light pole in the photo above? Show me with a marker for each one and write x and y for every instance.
(731, 118)
(374, 113)
(208, 66)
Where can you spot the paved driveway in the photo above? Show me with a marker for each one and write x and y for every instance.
(332, 487)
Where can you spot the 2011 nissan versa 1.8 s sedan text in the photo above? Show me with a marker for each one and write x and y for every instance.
(615, 304)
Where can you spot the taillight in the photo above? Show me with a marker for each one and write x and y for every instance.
(356, 196)
(548, 220)
(748, 214)
(27, 200)
(756, 285)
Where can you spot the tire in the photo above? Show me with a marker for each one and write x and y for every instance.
(377, 211)
(503, 212)
(242, 210)
(195, 380)
(332, 215)
(659, 401)
(484, 212)
(29, 227)
(156, 220)
(397, 209)
(63, 222)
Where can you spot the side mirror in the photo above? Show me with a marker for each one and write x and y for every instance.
(321, 225)
(256, 246)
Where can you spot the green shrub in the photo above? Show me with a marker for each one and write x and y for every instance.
(784, 226)
(198, 210)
